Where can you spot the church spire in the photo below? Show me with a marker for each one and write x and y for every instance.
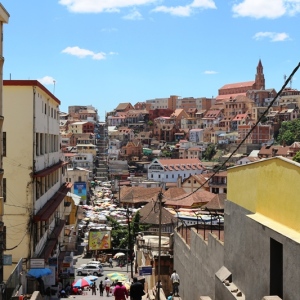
(259, 77)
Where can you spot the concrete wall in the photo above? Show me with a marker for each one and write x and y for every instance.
(197, 264)
(247, 254)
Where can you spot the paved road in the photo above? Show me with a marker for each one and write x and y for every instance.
(88, 296)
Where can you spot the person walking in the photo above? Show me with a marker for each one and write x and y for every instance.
(136, 290)
(175, 283)
(110, 262)
(107, 285)
(93, 287)
(120, 291)
(101, 288)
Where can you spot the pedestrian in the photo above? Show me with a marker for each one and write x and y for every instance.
(175, 282)
(110, 262)
(107, 284)
(136, 290)
(101, 288)
(120, 291)
(93, 287)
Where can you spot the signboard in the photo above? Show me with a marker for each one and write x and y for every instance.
(80, 190)
(145, 271)
(37, 263)
(99, 240)
(7, 259)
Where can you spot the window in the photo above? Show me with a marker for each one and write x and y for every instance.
(37, 145)
(4, 143)
(4, 189)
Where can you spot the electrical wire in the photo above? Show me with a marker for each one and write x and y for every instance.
(247, 135)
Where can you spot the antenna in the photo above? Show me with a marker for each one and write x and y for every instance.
(284, 78)
(291, 81)
(53, 87)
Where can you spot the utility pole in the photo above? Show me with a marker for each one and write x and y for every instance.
(129, 244)
(159, 245)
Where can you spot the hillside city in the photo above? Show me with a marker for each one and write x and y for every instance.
(204, 186)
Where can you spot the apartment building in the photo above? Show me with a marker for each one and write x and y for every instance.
(4, 18)
(34, 180)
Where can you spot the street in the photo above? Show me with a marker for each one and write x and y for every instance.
(88, 294)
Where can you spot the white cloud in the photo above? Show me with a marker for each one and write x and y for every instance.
(266, 9)
(273, 36)
(133, 16)
(82, 53)
(109, 29)
(99, 6)
(182, 11)
(210, 72)
(47, 80)
(187, 10)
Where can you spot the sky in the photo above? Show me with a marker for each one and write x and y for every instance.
(106, 52)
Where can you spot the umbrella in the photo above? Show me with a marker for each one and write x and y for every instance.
(127, 285)
(115, 274)
(117, 255)
(37, 273)
(80, 283)
(118, 277)
(91, 277)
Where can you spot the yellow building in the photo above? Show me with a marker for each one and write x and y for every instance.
(34, 178)
(262, 230)
(4, 17)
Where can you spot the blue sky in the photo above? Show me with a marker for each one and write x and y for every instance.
(104, 52)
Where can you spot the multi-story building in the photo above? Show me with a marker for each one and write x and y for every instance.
(196, 135)
(260, 134)
(34, 180)
(4, 17)
(198, 103)
(81, 127)
(233, 107)
(169, 170)
(83, 113)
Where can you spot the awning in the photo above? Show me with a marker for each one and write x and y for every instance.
(50, 207)
(49, 170)
(75, 198)
(52, 241)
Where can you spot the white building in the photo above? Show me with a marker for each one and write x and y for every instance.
(196, 135)
(34, 184)
(82, 160)
(169, 170)
(158, 103)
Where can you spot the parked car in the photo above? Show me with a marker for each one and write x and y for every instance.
(93, 263)
(90, 270)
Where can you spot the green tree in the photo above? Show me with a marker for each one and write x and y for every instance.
(120, 234)
(289, 132)
(296, 158)
(209, 152)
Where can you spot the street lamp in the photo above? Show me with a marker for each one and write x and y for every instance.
(129, 243)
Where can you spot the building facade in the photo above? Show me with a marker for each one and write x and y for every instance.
(169, 170)
(35, 186)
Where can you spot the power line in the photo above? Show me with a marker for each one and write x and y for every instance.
(247, 135)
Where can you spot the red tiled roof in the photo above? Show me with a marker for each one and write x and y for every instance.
(238, 85)
(239, 117)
